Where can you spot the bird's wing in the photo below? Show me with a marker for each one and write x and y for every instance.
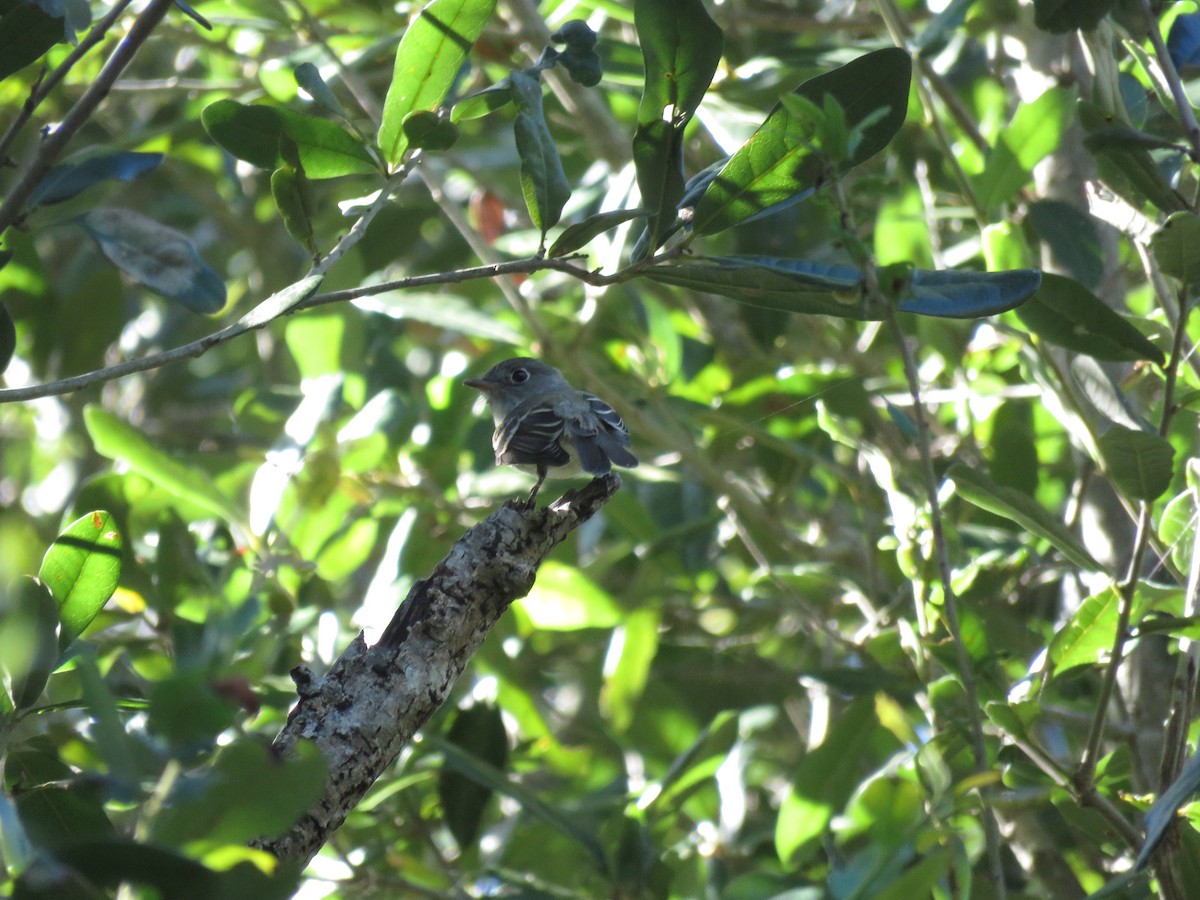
(530, 436)
(605, 436)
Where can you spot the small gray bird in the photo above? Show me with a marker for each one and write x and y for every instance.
(543, 422)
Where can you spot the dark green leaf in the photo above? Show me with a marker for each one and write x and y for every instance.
(186, 710)
(66, 180)
(681, 47)
(309, 77)
(1140, 463)
(1174, 246)
(1066, 313)
(479, 732)
(110, 863)
(580, 58)
(798, 286)
(1072, 238)
(482, 102)
(428, 59)
(543, 182)
(1061, 16)
(578, 235)
(8, 338)
(26, 32)
(248, 793)
(1022, 509)
(160, 258)
(778, 163)
(34, 612)
(252, 133)
(1162, 813)
(1129, 171)
(531, 802)
(81, 570)
(429, 131)
(293, 198)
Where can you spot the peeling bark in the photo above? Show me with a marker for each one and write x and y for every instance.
(373, 699)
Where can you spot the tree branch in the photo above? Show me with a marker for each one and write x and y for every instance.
(373, 700)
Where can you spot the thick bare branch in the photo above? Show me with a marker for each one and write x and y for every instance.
(373, 699)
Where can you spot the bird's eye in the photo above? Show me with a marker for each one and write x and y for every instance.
(520, 376)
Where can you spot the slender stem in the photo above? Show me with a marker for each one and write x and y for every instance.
(1190, 126)
(49, 152)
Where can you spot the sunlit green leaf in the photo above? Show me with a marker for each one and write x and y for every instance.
(427, 61)
(564, 599)
(120, 441)
(778, 163)
(252, 133)
(81, 570)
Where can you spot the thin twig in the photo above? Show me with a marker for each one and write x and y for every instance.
(1190, 126)
(49, 152)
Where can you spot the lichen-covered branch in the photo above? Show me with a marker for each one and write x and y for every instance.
(373, 699)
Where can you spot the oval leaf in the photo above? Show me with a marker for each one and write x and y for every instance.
(479, 732)
(778, 163)
(252, 133)
(35, 605)
(427, 61)
(428, 131)
(81, 570)
(681, 47)
(160, 258)
(1140, 463)
(1019, 507)
(26, 32)
(1174, 246)
(579, 234)
(68, 179)
(117, 440)
(1066, 313)
(543, 181)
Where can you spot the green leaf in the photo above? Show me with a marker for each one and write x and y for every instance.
(479, 732)
(186, 710)
(578, 235)
(532, 804)
(308, 76)
(1035, 131)
(293, 198)
(26, 32)
(635, 644)
(1061, 16)
(1087, 638)
(8, 337)
(564, 599)
(543, 182)
(780, 163)
(825, 780)
(252, 133)
(1066, 313)
(1128, 170)
(426, 130)
(81, 570)
(161, 258)
(1140, 463)
(448, 311)
(1018, 507)
(248, 793)
(30, 621)
(429, 56)
(68, 179)
(681, 47)
(799, 286)
(1072, 238)
(1177, 526)
(119, 441)
(1174, 245)
(115, 746)
(116, 862)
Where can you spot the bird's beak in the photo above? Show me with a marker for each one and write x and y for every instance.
(480, 385)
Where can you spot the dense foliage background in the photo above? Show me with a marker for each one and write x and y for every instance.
(825, 642)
